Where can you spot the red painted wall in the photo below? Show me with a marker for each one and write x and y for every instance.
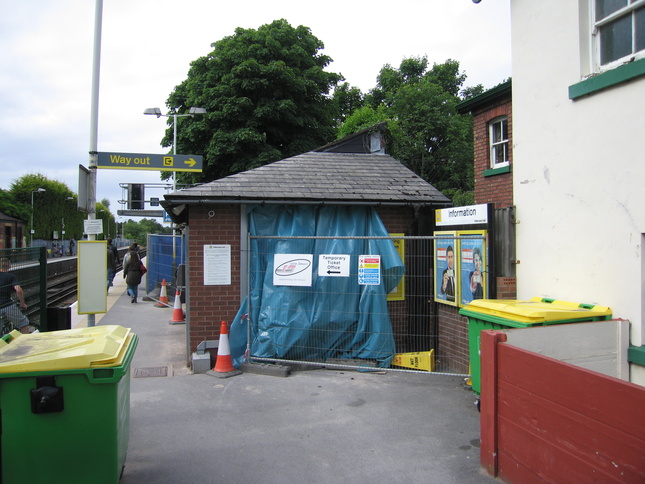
(543, 420)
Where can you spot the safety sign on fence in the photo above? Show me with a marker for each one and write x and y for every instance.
(369, 270)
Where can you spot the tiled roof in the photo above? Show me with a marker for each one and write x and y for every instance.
(321, 177)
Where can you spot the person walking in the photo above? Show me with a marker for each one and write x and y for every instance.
(8, 307)
(112, 262)
(132, 272)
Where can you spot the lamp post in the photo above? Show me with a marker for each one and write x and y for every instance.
(31, 232)
(191, 112)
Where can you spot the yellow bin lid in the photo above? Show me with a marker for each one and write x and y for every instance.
(70, 349)
(537, 310)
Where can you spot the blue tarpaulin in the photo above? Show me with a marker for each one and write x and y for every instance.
(333, 317)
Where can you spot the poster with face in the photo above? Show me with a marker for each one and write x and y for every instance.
(446, 286)
(472, 265)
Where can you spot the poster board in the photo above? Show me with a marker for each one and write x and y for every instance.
(398, 293)
(472, 265)
(92, 276)
(446, 263)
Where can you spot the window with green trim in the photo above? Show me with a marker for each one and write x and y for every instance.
(618, 32)
(498, 140)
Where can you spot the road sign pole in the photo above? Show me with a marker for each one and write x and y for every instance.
(174, 189)
(94, 121)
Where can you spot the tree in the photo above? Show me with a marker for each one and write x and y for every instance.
(426, 132)
(138, 231)
(362, 118)
(9, 205)
(266, 94)
(54, 209)
(346, 99)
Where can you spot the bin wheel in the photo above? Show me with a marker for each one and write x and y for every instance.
(478, 405)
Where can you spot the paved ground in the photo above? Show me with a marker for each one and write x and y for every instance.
(320, 426)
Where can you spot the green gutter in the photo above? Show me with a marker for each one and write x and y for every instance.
(469, 105)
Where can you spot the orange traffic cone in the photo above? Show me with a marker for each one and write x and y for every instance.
(177, 313)
(224, 364)
(163, 296)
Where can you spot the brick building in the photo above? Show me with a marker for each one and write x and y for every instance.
(493, 168)
(216, 213)
(13, 232)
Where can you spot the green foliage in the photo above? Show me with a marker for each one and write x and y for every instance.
(10, 206)
(138, 231)
(426, 132)
(267, 98)
(347, 100)
(460, 198)
(52, 210)
(362, 118)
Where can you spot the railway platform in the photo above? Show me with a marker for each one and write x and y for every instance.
(318, 426)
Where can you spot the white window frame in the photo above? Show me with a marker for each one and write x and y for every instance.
(493, 144)
(627, 10)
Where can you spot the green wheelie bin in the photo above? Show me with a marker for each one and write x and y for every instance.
(503, 314)
(65, 405)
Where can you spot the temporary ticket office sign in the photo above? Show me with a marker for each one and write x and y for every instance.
(333, 265)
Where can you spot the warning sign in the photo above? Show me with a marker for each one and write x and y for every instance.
(369, 270)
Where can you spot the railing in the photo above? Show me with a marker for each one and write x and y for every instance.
(46, 283)
(372, 305)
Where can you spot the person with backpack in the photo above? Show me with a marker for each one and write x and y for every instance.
(132, 272)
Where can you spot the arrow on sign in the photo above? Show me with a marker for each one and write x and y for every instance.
(190, 162)
(333, 272)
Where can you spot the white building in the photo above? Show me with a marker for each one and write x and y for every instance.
(579, 151)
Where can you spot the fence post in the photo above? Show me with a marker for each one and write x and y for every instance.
(489, 451)
(42, 259)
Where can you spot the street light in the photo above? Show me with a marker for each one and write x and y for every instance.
(31, 240)
(191, 112)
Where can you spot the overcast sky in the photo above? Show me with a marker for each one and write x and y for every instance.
(147, 47)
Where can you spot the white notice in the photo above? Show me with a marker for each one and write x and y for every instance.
(217, 265)
(333, 265)
(292, 269)
(93, 226)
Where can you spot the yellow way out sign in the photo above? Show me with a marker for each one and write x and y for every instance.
(142, 161)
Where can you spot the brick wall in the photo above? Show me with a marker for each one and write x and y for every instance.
(506, 288)
(452, 352)
(497, 189)
(209, 305)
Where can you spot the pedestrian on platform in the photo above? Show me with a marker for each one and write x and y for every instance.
(112, 262)
(132, 272)
(8, 307)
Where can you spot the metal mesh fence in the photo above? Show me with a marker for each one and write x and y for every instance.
(165, 260)
(312, 302)
(29, 266)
